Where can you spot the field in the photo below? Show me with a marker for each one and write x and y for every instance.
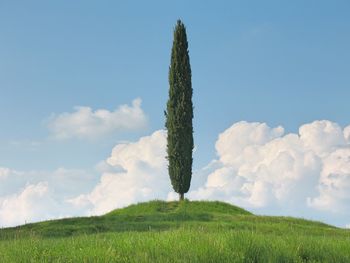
(160, 231)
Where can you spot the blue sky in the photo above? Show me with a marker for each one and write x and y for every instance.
(276, 62)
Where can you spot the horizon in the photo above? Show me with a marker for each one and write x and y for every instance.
(84, 89)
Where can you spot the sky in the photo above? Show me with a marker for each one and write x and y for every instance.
(83, 88)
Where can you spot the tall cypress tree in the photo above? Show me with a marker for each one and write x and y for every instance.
(179, 114)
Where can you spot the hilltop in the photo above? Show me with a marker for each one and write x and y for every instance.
(159, 231)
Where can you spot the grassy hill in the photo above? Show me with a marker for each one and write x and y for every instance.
(160, 231)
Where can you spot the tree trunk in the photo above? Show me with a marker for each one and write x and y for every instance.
(181, 196)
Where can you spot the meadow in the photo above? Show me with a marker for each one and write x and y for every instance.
(159, 231)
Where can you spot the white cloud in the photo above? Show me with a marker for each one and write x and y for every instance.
(347, 133)
(235, 139)
(305, 174)
(142, 176)
(334, 184)
(257, 167)
(84, 123)
(322, 137)
(32, 204)
(38, 195)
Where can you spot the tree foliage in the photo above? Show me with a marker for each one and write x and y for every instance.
(179, 114)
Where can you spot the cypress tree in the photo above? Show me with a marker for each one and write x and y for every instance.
(179, 114)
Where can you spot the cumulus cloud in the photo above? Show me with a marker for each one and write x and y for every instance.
(32, 204)
(135, 171)
(334, 183)
(85, 123)
(38, 195)
(141, 175)
(258, 167)
(322, 137)
(305, 174)
(263, 169)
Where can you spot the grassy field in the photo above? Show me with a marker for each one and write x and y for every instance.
(160, 231)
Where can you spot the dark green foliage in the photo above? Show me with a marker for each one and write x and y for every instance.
(179, 114)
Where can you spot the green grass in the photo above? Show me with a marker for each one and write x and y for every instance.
(160, 231)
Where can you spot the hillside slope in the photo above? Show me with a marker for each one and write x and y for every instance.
(155, 215)
(159, 231)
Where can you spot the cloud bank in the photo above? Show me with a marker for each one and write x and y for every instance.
(38, 195)
(84, 123)
(263, 169)
(142, 176)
